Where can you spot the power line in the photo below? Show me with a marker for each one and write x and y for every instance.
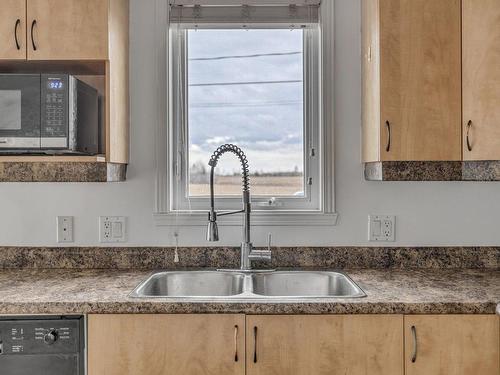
(243, 83)
(245, 56)
(248, 104)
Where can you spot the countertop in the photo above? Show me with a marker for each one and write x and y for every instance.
(390, 291)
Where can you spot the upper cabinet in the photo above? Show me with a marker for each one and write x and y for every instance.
(13, 30)
(67, 29)
(412, 75)
(61, 30)
(481, 79)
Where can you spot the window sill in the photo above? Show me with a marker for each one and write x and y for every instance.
(259, 218)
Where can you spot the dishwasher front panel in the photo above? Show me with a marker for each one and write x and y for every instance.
(53, 345)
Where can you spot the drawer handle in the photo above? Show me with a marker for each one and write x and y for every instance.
(33, 24)
(388, 126)
(414, 335)
(254, 344)
(18, 23)
(236, 328)
(469, 146)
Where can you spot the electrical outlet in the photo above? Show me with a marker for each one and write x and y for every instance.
(382, 228)
(64, 229)
(112, 229)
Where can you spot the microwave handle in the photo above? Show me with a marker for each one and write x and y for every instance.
(33, 24)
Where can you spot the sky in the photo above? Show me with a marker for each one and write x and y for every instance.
(265, 120)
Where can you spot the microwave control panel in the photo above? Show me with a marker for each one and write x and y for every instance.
(55, 105)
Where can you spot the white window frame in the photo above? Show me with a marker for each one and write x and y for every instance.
(193, 212)
(179, 130)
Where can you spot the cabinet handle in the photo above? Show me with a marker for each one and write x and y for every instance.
(236, 328)
(414, 335)
(33, 24)
(388, 126)
(254, 344)
(18, 23)
(469, 146)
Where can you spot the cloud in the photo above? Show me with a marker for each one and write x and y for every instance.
(265, 120)
(217, 141)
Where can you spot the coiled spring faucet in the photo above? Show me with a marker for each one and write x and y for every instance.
(248, 253)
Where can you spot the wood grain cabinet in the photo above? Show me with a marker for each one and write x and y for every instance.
(452, 345)
(57, 29)
(166, 345)
(481, 79)
(13, 30)
(68, 29)
(234, 344)
(325, 345)
(412, 80)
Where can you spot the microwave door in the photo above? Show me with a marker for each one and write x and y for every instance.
(19, 111)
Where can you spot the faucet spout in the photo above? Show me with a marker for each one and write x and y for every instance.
(212, 229)
(247, 252)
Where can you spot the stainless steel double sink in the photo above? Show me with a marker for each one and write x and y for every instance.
(215, 285)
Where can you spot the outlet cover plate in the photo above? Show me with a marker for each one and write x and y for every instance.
(112, 229)
(381, 228)
(64, 229)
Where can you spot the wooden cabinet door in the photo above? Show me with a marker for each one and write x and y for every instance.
(325, 345)
(420, 57)
(67, 29)
(166, 344)
(481, 79)
(452, 345)
(13, 30)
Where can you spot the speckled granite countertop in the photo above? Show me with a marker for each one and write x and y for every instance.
(58, 291)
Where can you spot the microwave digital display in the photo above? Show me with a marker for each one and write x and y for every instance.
(55, 85)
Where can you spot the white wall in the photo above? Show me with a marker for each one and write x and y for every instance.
(427, 213)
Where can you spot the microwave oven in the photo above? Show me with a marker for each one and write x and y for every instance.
(48, 113)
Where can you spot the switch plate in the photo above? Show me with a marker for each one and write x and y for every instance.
(64, 229)
(381, 228)
(112, 229)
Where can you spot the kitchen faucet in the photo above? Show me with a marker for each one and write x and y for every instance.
(248, 253)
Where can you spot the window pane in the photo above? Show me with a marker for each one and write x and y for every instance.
(246, 87)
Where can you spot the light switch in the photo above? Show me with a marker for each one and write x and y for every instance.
(376, 228)
(117, 230)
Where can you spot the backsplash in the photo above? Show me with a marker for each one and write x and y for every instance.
(284, 257)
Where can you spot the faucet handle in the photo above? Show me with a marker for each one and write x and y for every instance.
(262, 254)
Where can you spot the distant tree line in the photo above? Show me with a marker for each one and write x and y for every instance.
(199, 173)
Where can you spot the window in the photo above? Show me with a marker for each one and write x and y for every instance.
(246, 87)
(249, 76)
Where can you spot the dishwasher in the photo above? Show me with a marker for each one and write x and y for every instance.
(42, 345)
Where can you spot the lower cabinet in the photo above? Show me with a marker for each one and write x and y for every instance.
(325, 344)
(166, 344)
(235, 344)
(452, 345)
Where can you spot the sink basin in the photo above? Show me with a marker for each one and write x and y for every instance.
(226, 285)
(305, 284)
(191, 284)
